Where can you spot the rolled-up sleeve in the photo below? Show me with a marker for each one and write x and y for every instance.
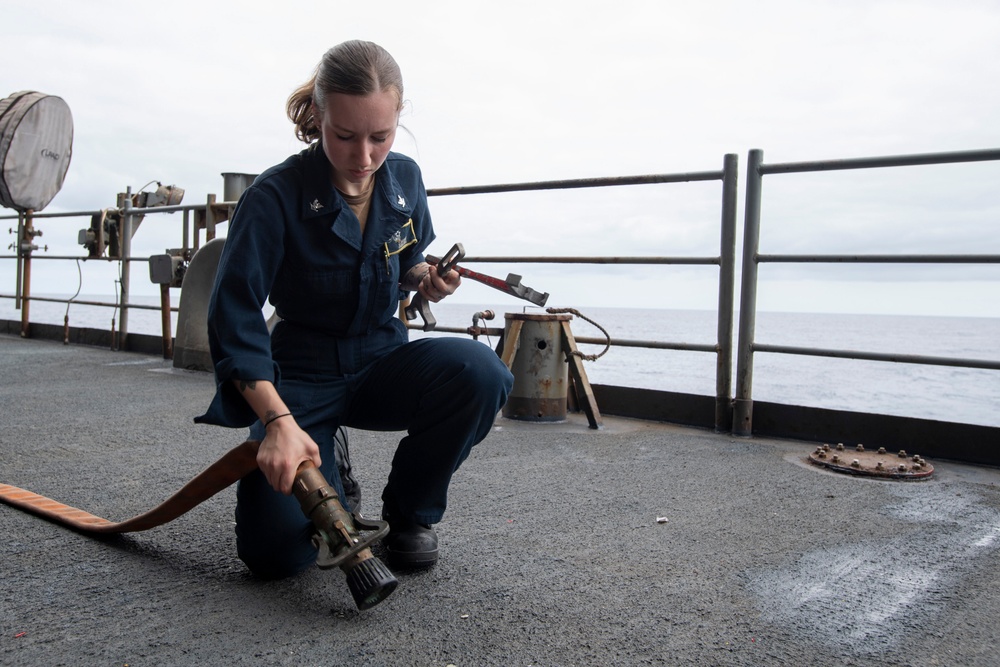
(237, 331)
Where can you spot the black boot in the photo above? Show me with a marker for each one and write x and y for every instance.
(409, 545)
(352, 490)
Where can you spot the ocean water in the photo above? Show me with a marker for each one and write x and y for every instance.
(952, 394)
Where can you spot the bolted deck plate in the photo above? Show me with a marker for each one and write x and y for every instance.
(871, 463)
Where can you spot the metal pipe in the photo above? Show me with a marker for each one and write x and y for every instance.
(743, 402)
(209, 218)
(649, 344)
(17, 256)
(987, 364)
(650, 261)
(614, 342)
(82, 258)
(135, 210)
(68, 214)
(727, 288)
(883, 161)
(126, 267)
(24, 249)
(882, 259)
(78, 302)
(541, 259)
(577, 183)
(168, 342)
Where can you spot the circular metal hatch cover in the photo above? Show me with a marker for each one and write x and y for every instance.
(870, 463)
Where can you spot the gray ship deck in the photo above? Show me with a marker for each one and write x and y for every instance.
(552, 553)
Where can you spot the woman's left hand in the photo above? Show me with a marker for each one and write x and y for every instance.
(434, 287)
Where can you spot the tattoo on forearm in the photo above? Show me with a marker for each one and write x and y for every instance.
(414, 276)
(247, 384)
(269, 416)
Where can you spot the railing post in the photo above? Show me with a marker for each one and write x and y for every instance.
(126, 242)
(25, 237)
(727, 288)
(210, 218)
(165, 328)
(17, 255)
(743, 403)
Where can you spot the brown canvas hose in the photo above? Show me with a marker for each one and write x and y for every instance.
(338, 537)
(233, 466)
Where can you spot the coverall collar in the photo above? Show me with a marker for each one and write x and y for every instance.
(390, 209)
(320, 198)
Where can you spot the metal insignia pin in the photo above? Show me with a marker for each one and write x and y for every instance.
(315, 205)
(400, 200)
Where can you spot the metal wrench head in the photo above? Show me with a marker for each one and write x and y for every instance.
(514, 283)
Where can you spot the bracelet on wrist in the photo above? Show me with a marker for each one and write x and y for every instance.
(276, 417)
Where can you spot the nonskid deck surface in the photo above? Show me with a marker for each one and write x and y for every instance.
(638, 544)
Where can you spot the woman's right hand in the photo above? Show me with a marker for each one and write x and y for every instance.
(284, 447)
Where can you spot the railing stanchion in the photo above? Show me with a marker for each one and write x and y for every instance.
(727, 288)
(24, 239)
(126, 266)
(743, 403)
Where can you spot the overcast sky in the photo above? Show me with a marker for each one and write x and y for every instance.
(518, 91)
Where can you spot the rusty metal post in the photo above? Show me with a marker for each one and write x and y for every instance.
(743, 403)
(727, 289)
(126, 264)
(24, 248)
(168, 342)
(17, 254)
(186, 238)
(210, 218)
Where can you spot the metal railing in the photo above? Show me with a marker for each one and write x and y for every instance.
(207, 215)
(725, 260)
(733, 411)
(747, 345)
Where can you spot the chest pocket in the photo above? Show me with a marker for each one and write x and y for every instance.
(401, 239)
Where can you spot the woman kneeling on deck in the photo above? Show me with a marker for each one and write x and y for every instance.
(334, 237)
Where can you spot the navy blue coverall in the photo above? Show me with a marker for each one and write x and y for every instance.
(339, 355)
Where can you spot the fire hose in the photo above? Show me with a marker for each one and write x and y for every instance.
(338, 532)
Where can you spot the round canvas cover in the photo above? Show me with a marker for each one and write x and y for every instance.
(36, 144)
